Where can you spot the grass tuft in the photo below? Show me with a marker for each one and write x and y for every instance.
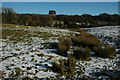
(64, 45)
(82, 54)
(65, 67)
(106, 51)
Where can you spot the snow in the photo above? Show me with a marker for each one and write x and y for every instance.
(98, 64)
(108, 34)
(24, 54)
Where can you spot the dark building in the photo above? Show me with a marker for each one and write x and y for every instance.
(52, 12)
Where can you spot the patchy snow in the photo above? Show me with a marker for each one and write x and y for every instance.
(34, 59)
(98, 64)
(108, 34)
(30, 56)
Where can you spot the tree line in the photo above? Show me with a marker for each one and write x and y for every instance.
(9, 16)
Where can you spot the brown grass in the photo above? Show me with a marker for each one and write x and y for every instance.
(82, 53)
(65, 67)
(86, 40)
(105, 51)
(64, 45)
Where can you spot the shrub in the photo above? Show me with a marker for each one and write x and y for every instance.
(86, 40)
(64, 45)
(82, 53)
(62, 62)
(106, 51)
(58, 66)
(71, 65)
(65, 67)
(66, 41)
(62, 49)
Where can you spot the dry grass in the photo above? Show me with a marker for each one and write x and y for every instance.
(40, 55)
(105, 51)
(82, 54)
(86, 40)
(21, 33)
(65, 67)
(64, 45)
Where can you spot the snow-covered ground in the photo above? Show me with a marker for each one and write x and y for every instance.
(96, 65)
(107, 34)
(30, 56)
(33, 57)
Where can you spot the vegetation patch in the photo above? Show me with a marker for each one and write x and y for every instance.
(22, 33)
(106, 51)
(64, 45)
(65, 67)
(82, 54)
(15, 74)
(86, 40)
(40, 55)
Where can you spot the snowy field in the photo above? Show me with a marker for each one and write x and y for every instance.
(25, 51)
(30, 54)
(107, 34)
